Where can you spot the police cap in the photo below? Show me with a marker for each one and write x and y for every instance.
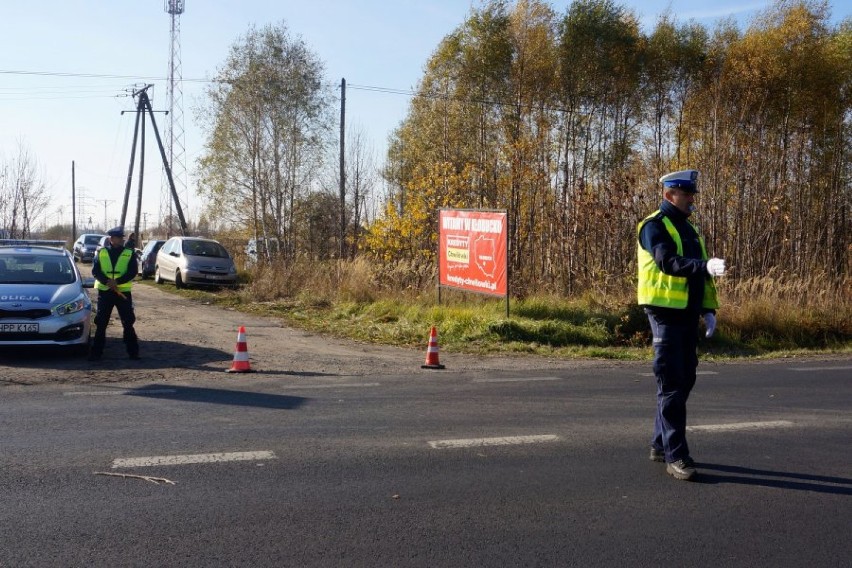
(116, 232)
(687, 180)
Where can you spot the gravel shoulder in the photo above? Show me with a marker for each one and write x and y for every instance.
(185, 340)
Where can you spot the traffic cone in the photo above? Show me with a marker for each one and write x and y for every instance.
(241, 356)
(432, 352)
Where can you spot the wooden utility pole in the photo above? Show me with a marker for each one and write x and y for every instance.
(73, 206)
(342, 168)
(143, 106)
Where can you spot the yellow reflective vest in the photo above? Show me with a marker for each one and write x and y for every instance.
(656, 288)
(117, 271)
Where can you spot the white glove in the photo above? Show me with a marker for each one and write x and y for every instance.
(716, 267)
(710, 324)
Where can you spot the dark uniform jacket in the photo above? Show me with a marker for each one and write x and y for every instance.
(656, 239)
(114, 253)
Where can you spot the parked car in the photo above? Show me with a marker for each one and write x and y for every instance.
(85, 245)
(190, 261)
(43, 300)
(102, 243)
(148, 259)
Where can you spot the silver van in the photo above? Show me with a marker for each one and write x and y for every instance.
(193, 261)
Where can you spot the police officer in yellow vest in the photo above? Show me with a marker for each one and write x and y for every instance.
(114, 268)
(676, 289)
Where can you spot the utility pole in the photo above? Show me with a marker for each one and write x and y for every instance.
(342, 168)
(105, 202)
(73, 205)
(143, 107)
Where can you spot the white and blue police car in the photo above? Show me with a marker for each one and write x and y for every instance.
(43, 297)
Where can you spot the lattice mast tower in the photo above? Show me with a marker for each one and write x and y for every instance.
(175, 146)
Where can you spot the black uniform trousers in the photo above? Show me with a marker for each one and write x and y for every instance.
(675, 364)
(107, 299)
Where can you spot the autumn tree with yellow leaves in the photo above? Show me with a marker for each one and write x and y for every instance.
(567, 120)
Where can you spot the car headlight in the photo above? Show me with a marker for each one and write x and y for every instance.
(232, 269)
(73, 307)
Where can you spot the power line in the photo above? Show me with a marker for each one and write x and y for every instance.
(370, 88)
(183, 79)
(94, 75)
(44, 89)
(58, 97)
(382, 90)
(62, 74)
(452, 98)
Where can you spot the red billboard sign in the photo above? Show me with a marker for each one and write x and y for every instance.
(472, 250)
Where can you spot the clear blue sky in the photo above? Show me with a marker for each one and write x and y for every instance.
(48, 105)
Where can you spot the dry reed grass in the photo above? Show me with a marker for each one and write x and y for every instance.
(814, 309)
(358, 280)
(778, 309)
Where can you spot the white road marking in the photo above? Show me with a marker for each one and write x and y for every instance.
(192, 458)
(121, 392)
(518, 380)
(504, 441)
(344, 385)
(821, 368)
(741, 426)
(697, 373)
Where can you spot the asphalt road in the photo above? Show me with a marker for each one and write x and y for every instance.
(448, 468)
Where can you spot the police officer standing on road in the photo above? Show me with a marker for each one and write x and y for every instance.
(114, 268)
(676, 288)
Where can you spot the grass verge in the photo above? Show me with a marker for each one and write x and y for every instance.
(583, 327)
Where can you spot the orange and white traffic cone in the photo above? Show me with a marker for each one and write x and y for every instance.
(241, 356)
(432, 352)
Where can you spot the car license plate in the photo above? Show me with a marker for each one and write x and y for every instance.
(18, 328)
(213, 277)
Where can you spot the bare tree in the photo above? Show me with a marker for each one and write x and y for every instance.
(361, 176)
(267, 118)
(23, 193)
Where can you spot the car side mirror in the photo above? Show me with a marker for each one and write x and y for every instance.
(88, 282)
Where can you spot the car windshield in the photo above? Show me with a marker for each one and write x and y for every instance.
(204, 248)
(36, 269)
(93, 239)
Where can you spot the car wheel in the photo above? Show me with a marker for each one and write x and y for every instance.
(157, 278)
(179, 280)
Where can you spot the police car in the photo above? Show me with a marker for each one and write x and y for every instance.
(43, 300)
